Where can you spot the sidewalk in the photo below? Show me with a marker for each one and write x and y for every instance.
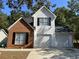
(54, 54)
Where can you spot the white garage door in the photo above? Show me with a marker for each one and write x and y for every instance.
(63, 39)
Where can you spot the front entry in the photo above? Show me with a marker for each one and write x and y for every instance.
(43, 41)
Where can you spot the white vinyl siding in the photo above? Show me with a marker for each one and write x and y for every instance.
(20, 38)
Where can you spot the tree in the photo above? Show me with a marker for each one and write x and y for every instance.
(1, 6)
(17, 4)
(13, 17)
(74, 21)
(3, 21)
(75, 26)
(40, 3)
(33, 6)
(64, 17)
(60, 16)
(3, 17)
(74, 5)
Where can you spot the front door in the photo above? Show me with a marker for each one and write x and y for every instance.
(43, 41)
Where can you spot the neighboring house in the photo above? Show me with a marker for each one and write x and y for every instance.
(37, 31)
(3, 37)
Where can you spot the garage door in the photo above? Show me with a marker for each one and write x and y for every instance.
(63, 39)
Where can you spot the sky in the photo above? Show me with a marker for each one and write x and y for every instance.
(59, 3)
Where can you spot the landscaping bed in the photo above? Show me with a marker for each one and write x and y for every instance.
(14, 54)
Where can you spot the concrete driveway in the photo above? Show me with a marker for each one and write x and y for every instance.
(54, 54)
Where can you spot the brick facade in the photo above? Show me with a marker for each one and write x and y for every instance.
(20, 26)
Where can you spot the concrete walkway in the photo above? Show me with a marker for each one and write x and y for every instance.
(54, 54)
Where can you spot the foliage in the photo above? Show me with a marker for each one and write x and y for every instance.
(74, 5)
(3, 21)
(1, 4)
(62, 16)
(74, 21)
(60, 13)
(16, 4)
(40, 3)
(13, 17)
(66, 17)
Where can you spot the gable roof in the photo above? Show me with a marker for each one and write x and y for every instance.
(21, 18)
(46, 9)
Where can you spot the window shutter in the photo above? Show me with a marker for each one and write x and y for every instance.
(49, 21)
(13, 40)
(33, 21)
(38, 21)
(26, 38)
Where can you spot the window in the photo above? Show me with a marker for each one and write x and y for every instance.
(20, 38)
(44, 21)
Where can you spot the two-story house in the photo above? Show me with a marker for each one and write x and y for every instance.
(42, 34)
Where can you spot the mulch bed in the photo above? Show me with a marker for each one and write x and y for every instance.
(14, 54)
